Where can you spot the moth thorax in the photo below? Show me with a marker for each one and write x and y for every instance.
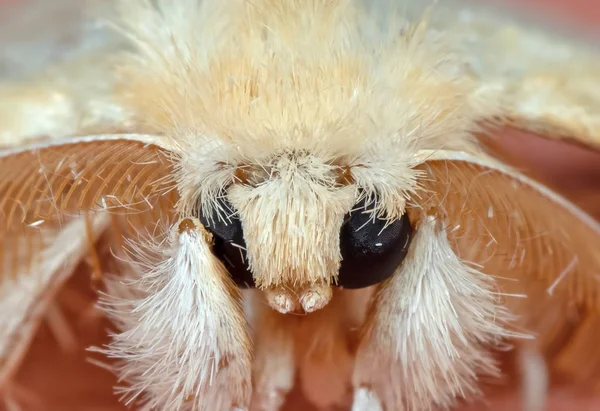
(295, 236)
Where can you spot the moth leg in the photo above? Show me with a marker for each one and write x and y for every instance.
(534, 376)
(427, 334)
(365, 400)
(38, 277)
(60, 328)
(326, 350)
(182, 342)
(86, 311)
(18, 398)
(274, 367)
(10, 402)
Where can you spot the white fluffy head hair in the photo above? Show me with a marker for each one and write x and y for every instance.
(286, 108)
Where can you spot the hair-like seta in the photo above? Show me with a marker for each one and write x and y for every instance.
(439, 317)
(183, 343)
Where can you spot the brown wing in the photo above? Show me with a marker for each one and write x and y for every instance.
(49, 200)
(534, 242)
(47, 186)
(546, 77)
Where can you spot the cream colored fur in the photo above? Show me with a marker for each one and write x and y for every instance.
(437, 319)
(182, 336)
(289, 92)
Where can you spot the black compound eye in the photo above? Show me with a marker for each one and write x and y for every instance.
(370, 252)
(229, 246)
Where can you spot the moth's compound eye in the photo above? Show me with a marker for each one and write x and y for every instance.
(371, 252)
(229, 246)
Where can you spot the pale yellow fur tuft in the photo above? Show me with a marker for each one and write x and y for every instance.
(438, 319)
(182, 334)
(245, 85)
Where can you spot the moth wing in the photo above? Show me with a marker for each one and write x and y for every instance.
(30, 41)
(56, 74)
(46, 185)
(546, 79)
(55, 201)
(542, 250)
(65, 197)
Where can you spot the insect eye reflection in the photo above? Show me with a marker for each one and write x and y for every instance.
(372, 248)
(229, 244)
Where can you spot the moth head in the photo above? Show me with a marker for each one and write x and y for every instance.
(293, 146)
(299, 223)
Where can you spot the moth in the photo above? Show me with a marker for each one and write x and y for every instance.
(274, 193)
